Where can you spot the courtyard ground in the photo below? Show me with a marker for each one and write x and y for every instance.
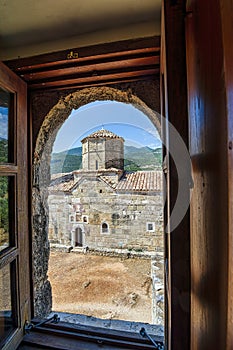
(100, 286)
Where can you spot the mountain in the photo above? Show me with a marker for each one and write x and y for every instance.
(143, 158)
(71, 152)
(67, 161)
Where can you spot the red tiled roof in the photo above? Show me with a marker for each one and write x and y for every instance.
(62, 183)
(141, 181)
(103, 133)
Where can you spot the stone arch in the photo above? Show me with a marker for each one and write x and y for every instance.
(41, 178)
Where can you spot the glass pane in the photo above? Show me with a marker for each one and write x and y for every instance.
(6, 126)
(7, 236)
(7, 309)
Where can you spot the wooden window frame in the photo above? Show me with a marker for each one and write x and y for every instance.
(143, 57)
(18, 170)
(173, 69)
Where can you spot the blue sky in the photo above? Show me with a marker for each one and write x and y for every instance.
(120, 118)
(4, 122)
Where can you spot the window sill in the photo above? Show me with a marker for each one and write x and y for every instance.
(78, 337)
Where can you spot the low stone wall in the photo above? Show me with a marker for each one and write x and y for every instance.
(157, 277)
(124, 253)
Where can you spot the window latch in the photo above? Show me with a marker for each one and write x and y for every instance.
(144, 334)
(29, 325)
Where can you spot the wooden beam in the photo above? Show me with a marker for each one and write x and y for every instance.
(91, 68)
(95, 78)
(109, 82)
(88, 51)
(97, 64)
(88, 59)
(174, 105)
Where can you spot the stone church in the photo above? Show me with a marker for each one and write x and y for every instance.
(101, 205)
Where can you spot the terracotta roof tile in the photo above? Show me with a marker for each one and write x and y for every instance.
(141, 181)
(103, 133)
(62, 183)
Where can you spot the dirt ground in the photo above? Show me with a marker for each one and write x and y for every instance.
(100, 286)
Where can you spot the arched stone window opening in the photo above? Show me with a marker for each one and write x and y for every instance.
(41, 181)
(104, 228)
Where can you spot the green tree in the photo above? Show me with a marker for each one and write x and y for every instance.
(4, 221)
(3, 151)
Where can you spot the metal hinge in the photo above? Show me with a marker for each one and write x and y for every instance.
(29, 325)
(144, 334)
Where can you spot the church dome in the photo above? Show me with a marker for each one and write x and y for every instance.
(102, 134)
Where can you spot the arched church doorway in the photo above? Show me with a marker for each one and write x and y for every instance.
(77, 237)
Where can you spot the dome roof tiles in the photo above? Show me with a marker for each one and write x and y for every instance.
(103, 133)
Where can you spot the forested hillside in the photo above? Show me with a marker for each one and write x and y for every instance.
(3, 193)
(143, 158)
(3, 150)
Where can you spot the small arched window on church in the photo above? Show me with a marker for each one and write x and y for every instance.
(71, 218)
(85, 219)
(115, 218)
(104, 228)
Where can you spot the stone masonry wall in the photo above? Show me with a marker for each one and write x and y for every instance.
(94, 203)
(108, 154)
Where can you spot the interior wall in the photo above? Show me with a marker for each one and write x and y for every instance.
(208, 149)
(28, 28)
(41, 102)
(133, 31)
